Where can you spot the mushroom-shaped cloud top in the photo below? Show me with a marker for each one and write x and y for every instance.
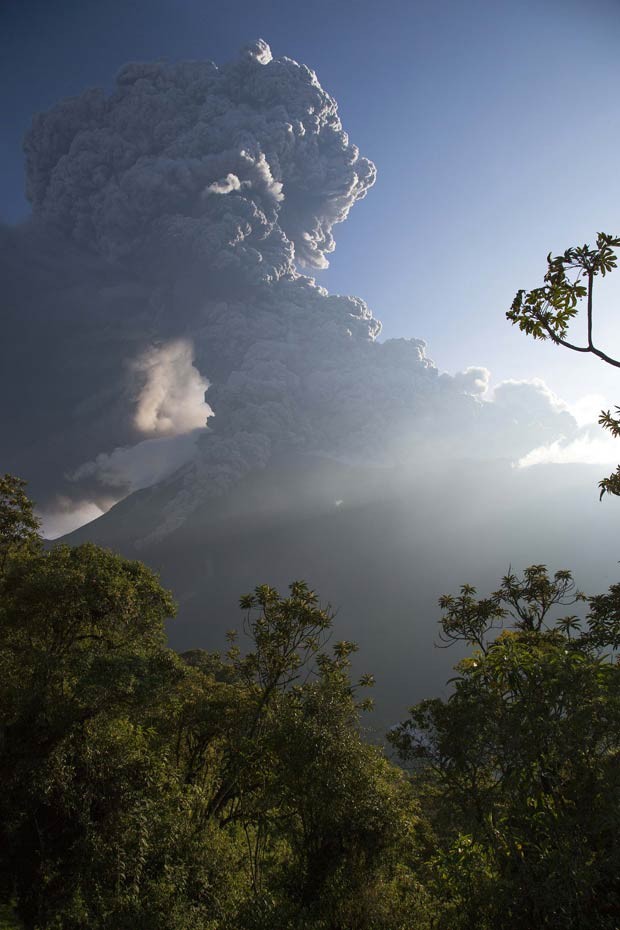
(242, 169)
(258, 50)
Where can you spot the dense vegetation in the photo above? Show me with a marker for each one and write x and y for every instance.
(142, 789)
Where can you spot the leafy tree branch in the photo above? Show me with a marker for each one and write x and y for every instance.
(546, 312)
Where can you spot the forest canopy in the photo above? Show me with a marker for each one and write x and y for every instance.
(146, 789)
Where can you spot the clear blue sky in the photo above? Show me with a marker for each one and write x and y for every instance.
(495, 127)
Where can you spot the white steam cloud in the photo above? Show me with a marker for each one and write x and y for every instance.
(586, 449)
(172, 399)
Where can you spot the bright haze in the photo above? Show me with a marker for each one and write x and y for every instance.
(172, 309)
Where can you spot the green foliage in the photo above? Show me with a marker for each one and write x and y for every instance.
(276, 748)
(546, 313)
(18, 524)
(527, 601)
(143, 790)
(519, 767)
(204, 792)
(8, 920)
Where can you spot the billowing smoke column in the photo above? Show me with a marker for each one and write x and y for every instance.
(171, 222)
(239, 169)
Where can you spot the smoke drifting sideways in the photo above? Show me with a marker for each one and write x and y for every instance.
(171, 225)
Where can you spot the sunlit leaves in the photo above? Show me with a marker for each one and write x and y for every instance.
(546, 312)
(519, 765)
(528, 600)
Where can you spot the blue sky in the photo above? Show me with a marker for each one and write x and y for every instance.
(494, 126)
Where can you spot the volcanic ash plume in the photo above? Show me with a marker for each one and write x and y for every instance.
(239, 169)
(171, 223)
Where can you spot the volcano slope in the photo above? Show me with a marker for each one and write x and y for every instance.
(380, 545)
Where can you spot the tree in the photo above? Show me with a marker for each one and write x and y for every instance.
(83, 673)
(323, 814)
(143, 790)
(96, 827)
(546, 313)
(519, 768)
(18, 524)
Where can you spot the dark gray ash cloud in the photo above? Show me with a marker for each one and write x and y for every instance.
(173, 224)
(235, 168)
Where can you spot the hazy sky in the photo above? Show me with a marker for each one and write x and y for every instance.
(494, 126)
